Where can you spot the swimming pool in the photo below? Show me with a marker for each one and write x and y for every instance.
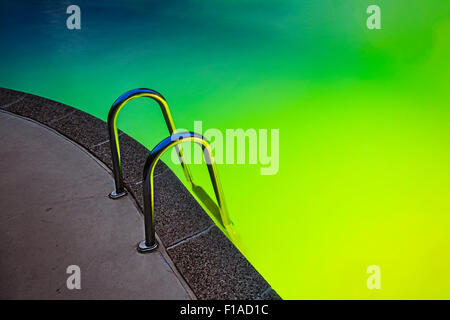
(363, 176)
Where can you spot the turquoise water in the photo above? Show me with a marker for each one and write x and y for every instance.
(362, 117)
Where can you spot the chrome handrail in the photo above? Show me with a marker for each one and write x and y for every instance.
(150, 244)
(114, 139)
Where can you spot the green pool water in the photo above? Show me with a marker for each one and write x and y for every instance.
(363, 118)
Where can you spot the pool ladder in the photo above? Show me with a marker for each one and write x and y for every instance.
(218, 210)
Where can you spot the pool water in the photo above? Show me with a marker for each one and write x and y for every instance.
(363, 118)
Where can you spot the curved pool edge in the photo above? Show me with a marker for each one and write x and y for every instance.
(212, 266)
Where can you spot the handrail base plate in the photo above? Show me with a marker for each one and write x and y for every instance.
(143, 248)
(114, 195)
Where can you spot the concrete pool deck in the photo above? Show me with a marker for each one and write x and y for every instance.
(195, 257)
(55, 213)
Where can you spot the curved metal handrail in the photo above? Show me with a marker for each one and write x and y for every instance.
(149, 244)
(114, 139)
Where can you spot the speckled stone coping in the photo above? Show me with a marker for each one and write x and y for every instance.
(210, 263)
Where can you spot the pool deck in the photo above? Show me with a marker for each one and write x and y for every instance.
(55, 213)
(56, 175)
